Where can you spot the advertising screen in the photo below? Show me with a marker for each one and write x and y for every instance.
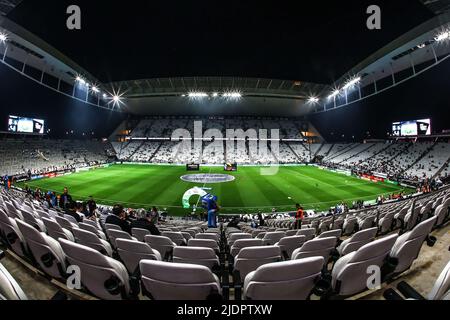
(25, 125)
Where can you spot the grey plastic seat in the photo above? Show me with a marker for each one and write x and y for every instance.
(71, 219)
(366, 223)
(290, 244)
(46, 251)
(238, 236)
(12, 234)
(140, 233)
(270, 238)
(178, 281)
(309, 233)
(91, 240)
(251, 258)
(102, 276)
(407, 247)
(357, 241)
(441, 288)
(349, 275)
(31, 219)
(164, 245)
(332, 233)
(132, 252)
(196, 255)
(290, 280)
(386, 222)
(176, 237)
(291, 233)
(66, 224)
(113, 235)
(316, 248)
(442, 214)
(349, 225)
(412, 217)
(109, 226)
(9, 288)
(238, 245)
(204, 243)
(187, 236)
(55, 231)
(210, 236)
(91, 228)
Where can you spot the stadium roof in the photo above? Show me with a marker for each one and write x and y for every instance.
(6, 6)
(437, 6)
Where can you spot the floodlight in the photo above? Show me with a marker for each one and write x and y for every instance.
(352, 83)
(116, 99)
(334, 94)
(232, 95)
(95, 89)
(197, 95)
(215, 94)
(3, 37)
(313, 100)
(443, 36)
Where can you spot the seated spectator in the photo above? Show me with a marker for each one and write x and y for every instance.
(72, 211)
(144, 221)
(119, 218)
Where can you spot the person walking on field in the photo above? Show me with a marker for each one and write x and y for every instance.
(299, 215)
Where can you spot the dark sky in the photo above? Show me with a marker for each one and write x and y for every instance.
(315, 41)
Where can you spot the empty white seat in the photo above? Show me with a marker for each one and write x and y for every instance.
(407, 247)
(9, 288)
(332, 233)
(441, 288)
(109, 226)
(30, 218)
(55, 231)
(290, 244)
(210, 236)
(349, 225)
(316, 248)
(251, 258)
(270, 238)
(309, 233)
(46, 251)
(117, 234)
(290, 280)
(238, 236)
(176, 237)
(196, 255)
(163, 244)
(204, 243)
(349, 275)
(91, 240)
(178, 281)
(132, 252)
(441, 213)
(12, 235)
(238, 245)
(91, 228)
(358, 240)
(140, 233)
(103, 276)
(66, 224)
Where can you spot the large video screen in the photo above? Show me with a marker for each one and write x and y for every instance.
(412, 128)
(25, 125)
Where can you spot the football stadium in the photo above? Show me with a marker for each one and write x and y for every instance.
(156, 150)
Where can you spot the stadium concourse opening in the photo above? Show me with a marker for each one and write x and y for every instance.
(218, 152)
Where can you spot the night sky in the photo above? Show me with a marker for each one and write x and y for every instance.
(314, 41)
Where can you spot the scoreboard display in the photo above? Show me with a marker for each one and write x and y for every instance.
(193, 167)
(412, 128)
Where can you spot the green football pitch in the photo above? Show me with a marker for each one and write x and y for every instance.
(139, 186)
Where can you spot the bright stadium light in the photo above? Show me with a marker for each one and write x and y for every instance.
(232, 95)
(3, 37)
(197, 95)
(352, 83)
(81, 80)
(116, 99)
(334, 94)
(313, 100)
(95, 89)
(215, 95)
(445, 35)
(421, 46)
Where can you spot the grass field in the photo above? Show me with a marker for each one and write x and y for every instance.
(144, 186)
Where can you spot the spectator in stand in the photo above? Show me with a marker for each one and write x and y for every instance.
(145, 221)
(65, 199)
(261, 220)
(91, 206)
(154, 216)
(120, 218)
(72, 211)
(299, 215)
